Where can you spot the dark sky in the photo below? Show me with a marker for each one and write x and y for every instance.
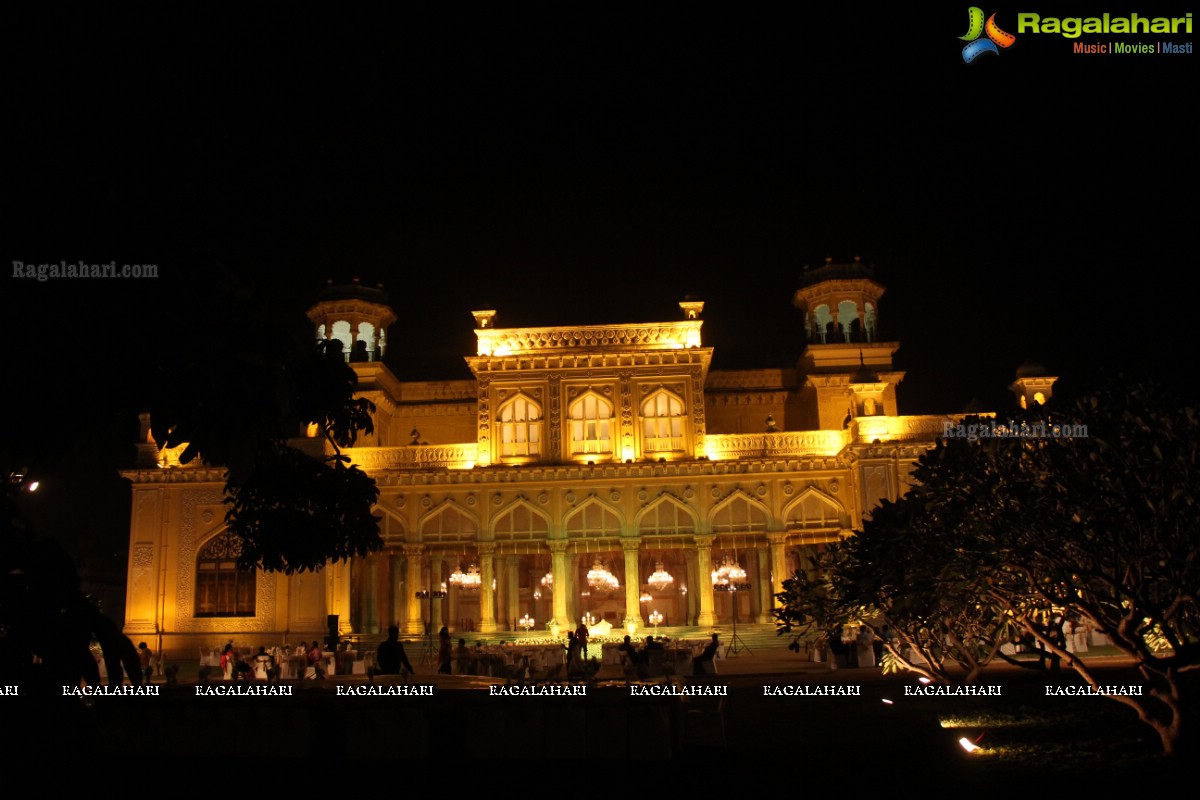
(1033, 205)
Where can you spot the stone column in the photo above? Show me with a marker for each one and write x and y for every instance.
(339, 594)
(435, 584)
(707, 616)
(396, 586)
(487, 595)
(633, 587)
(689, 580)
(370, 577)
(558, 567)
(414, 623)
(762, 587)
(512, 592)
(574, 601)
(777, 543)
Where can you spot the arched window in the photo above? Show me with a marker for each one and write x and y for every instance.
(520, 428)
(223, 590)
(662, 423)
(591, 425)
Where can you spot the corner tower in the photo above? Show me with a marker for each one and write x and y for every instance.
(844, 361)
(358, 316)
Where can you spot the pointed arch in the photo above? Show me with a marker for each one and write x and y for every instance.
(593, 518)
(814, 509)
(519, 419)
(223, 590)
(590, 421)
(739, 512)
(665, 515)
(521, 520)
(664, 422)
(448, 522)
(392, 528)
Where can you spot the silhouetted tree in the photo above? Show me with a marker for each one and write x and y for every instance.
(1001, 533)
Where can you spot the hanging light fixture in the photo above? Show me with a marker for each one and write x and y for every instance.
(660, 579)
(600, 579)
(471, 579)
(729, 572)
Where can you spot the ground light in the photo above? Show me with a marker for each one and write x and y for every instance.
(970, 745)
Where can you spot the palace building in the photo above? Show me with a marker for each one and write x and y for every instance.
(600, 470)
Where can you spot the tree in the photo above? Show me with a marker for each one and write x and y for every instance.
(1104, 525)
(906, 570)
(1003, 531)
(240, 400)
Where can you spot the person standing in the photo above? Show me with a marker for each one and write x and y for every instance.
(574, 665)
(445, 652)
(865, 642)
(264, 664)
(390, 656)
(228, 657)
(146, 660)
(581, 635)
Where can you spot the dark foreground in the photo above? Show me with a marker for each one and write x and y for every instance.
(1032, 744)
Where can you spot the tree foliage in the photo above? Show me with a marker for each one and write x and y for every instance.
(240, 401)
(999, 533)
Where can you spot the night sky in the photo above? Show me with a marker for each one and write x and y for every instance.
(1034, 205)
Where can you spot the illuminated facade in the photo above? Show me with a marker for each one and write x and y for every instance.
(573, 449)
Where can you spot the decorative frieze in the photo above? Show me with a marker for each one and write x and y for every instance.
(776, 445)
(644, 336)
(430, 456)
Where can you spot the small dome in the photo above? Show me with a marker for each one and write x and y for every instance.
(864, 374)
(1031, 369)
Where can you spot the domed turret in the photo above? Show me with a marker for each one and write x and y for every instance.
(358, 316)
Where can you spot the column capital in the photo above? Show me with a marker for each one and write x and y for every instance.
(486, 548)
(558, 545)
(704, 539)
(778, 537)
(630, 544)
(410, 550)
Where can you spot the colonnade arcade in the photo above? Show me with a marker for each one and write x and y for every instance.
(548, 581)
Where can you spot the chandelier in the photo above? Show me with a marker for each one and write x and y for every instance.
(600, 579)
(730, 572)
(660, 579)
(548, 580)
(471, 579)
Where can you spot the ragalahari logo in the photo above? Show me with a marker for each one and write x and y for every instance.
(976, 28)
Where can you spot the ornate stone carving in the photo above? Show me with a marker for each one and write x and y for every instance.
(775, 445)
(527, 341)
(143, 555)
(185, 587)
(450, 456)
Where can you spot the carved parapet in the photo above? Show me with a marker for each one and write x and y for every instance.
(867, 430)
(644, 336)
(431, 456)
(788, 443)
